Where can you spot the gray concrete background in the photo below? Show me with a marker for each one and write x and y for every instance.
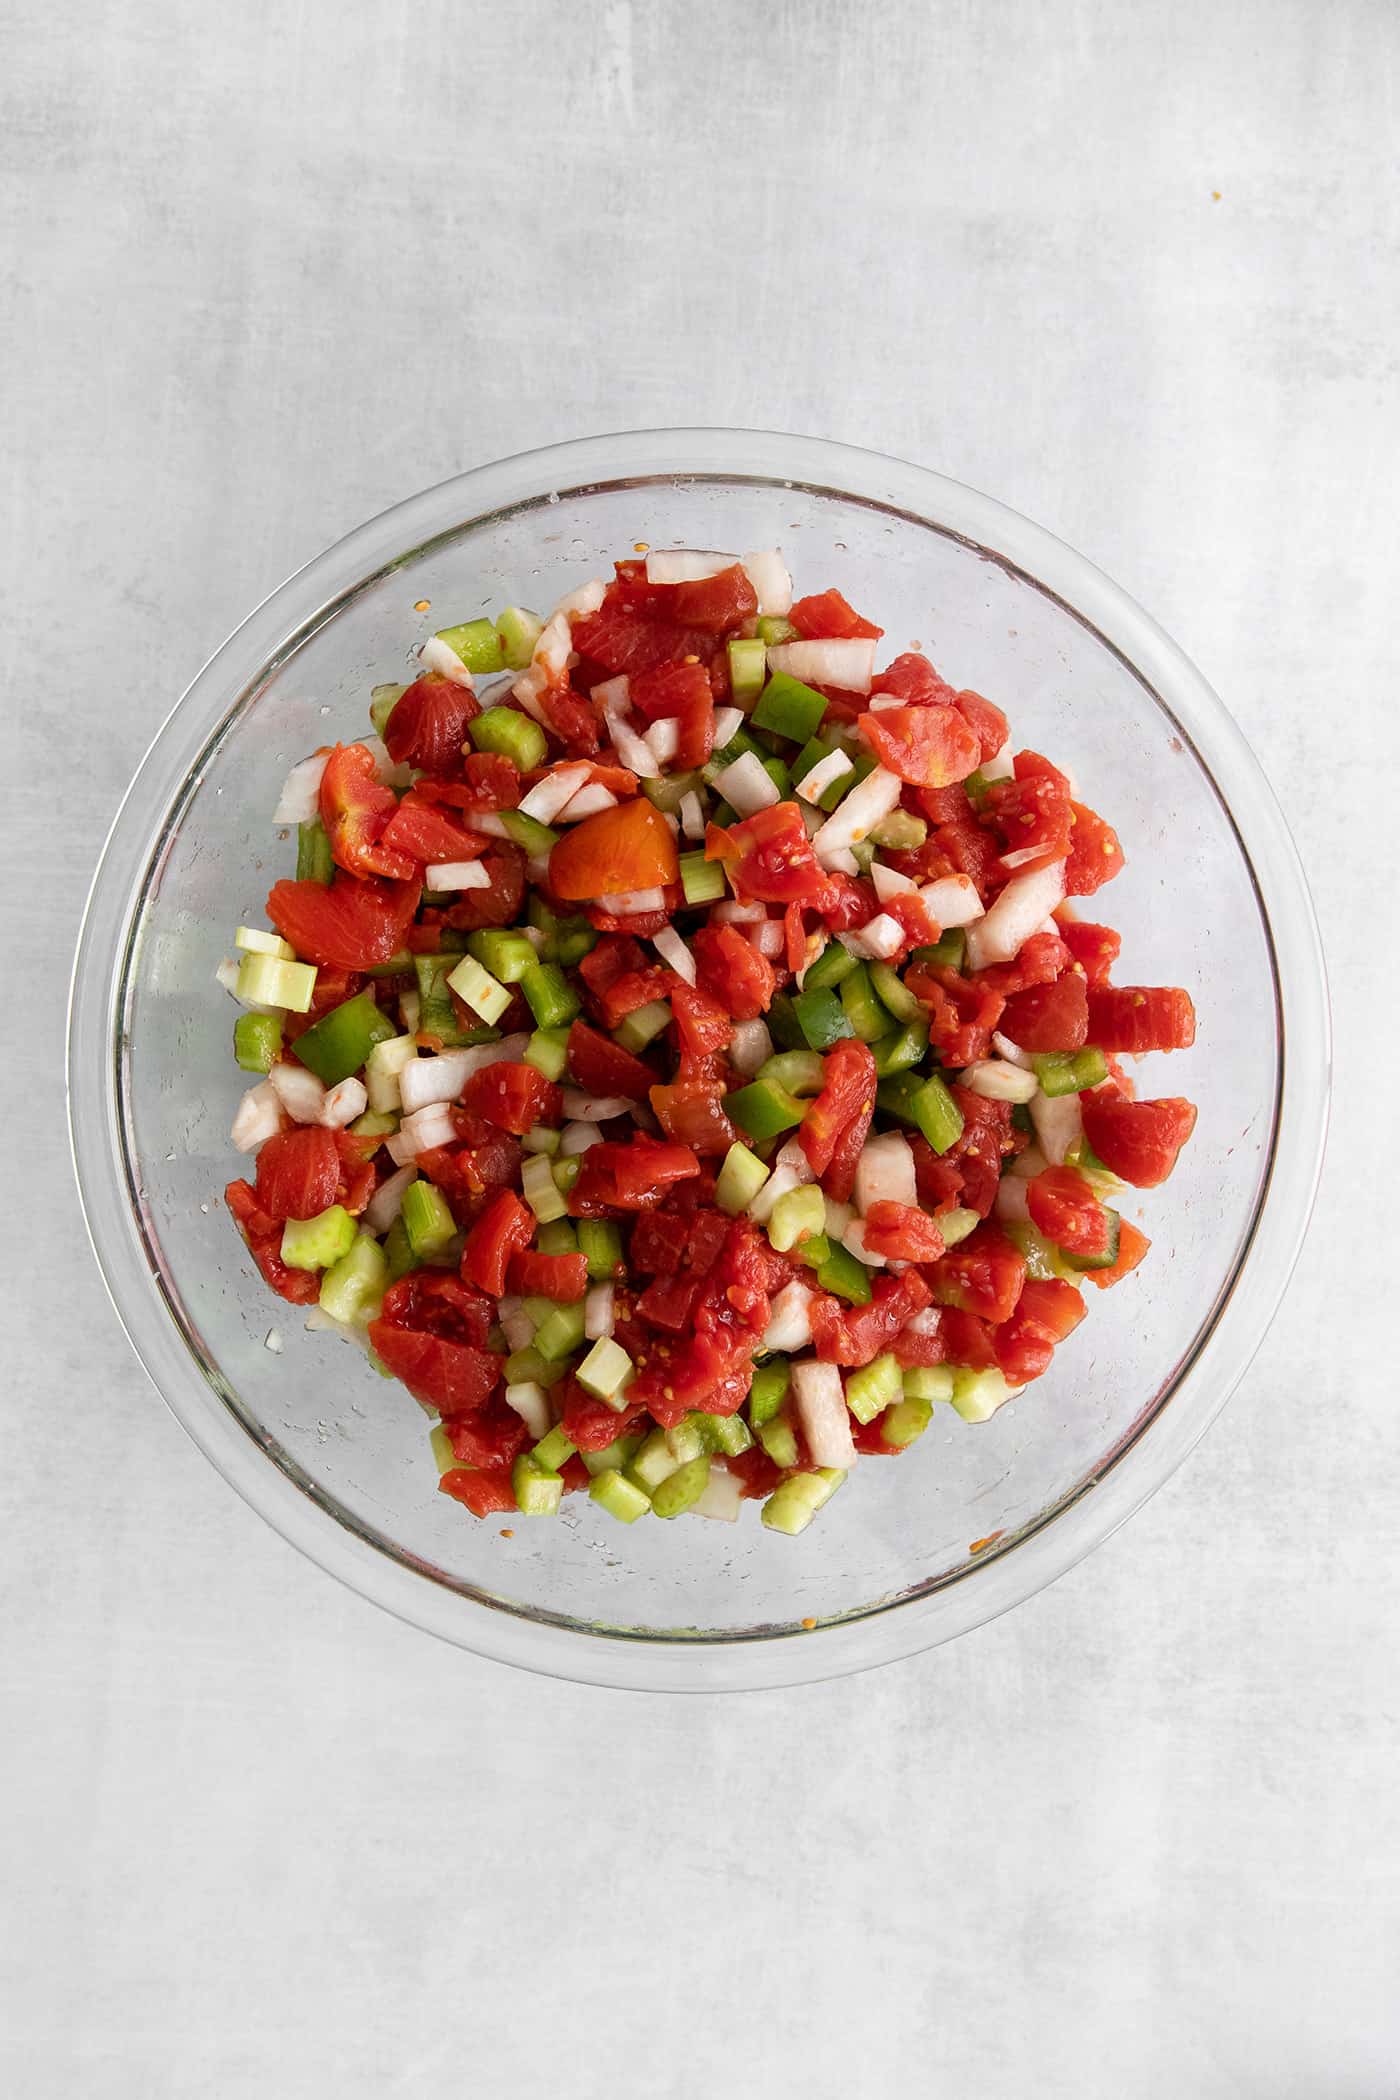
(265, 271)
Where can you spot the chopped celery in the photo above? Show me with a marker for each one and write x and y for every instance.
(871, 1390)
(779, 775)
(905, 1422)
(799, 1215)
(668, 794)
(558, 1237)
(550, 996)
(314, 860)
(560, 1333)
(316, 1243)
(383, 699)
(553, 1450)
(702, 880)
(899, 832)
(352, 1288)
(895, 1096)
(339, 1043)
(801, 1072)
(436, 1013)
(1069, 1071)
(774, 628)
(519, 631)
(513, 735)
(793, 1503)
(729, 1434)
(868, 1018)
(375, 1123)
(573, 941)
(928, 1382)
(947, 953)
(256, 940)
(506, 955)
(605, 1372)
(527, 832)
(740, 1179)
(478, 990)
(397, 1252)
(955, 1225)
(542, 1191)
(688, 1438)
(652, 1462)
(779, 1439)
(548, 1051)
(565, 1172)
(748, 665)
(642, 1026)
(614, 1456)
(681, 1489)
(537, 1492)
(719, 761)
(528, 1367)
(821, 1017)
(977, 1395)
(763, 1109)
(257, 1041)
(789, 708)
(889, 988)
(769, 1388)
(619, 1496)
(902, 1049)
(477, 643)
(1042, 1257)
(382, 1068)
(269, 980)
(937, 1114)
(846, 1277)
(426, 1219)
(601, 1243)
(834, 963)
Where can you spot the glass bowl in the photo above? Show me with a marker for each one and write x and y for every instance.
(974, 1518)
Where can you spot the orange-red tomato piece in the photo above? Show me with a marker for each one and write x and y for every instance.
(615, 852)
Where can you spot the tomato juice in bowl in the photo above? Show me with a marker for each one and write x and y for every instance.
(328, 1451)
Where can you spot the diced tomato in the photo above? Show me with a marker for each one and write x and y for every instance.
(901, 1232)
(852, 1335)
(938, 1179)
(489, 780)
(562, 1277)
(503, 1228)
(614, 956)
(962, 1012)
(514, 1097)
(983, 1274)
(691, 1111)
(987, 722)
(669, 1302)
(848, 903)
(1094, 948)
(839, 1178)
(706, 1370)
(353, 925)
(659, 1241)
(826, 617)
(629, 1176)
(617, 641)
(794, 938)
(485, 1490)
(421, 831)
(1045, 1313)
(619, 850)
(847, 1098)
(769, 857)
(912, 678)
(701, 1023)
(495, 1436)
(602, 1066)
(467, 1173)
(977, 1155)
(298, 1172)
(1052, 1016)
(590, 1423)
(680, 693)
(1141, 1017)
(355, 809)
(917, 1346)
(1132, 1245)
(1064, 1207)
(434, 1301)
(1031, 812)
(961, 844)
(755, 1472)
(571, 719)
(453, 1377)
(967, 1340)
(499, 905)
(1042, 958)
(428, 723)
(262, 1234)
(357, 1177)
(1137, 1140)
(714, 603)
(634, 988)
(928, 746)
(709, 1229)
(733, 972)
(1095, 855)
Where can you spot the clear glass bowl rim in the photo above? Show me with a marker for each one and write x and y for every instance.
(309, 598)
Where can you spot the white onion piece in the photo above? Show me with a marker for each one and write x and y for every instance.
(857, 814)
(672, 949)
(582, 1107)
(889, 882)
(490, 823)
(999, 766)
(728, 722)
(588, 802)
(849, 665)
(995, 1080)
(1058, 1121)
(687, 564)
(548, 796)
(588, 598)
(885, 1172)
(881, 701)
(769, 938)
(578, 1137)
(789, 1316)
(386, 772)
(772, 582)
(999, 935)
(387, 1201)
(516, 1324)
(814, 784)
(692, 815)
(410, 1009)
(612, 696)
(344, 1101)
(440, 656)
(598, 1312)
(853, 1240)
(785, 1176)
(664, 740)
(929, 1321)
(634, 751)
(531, 1402)
(877, 940)
(554, 648)
(526, 690)
(425, 1080)
(300, 799)
(819, 1399)
(319, 1321)
(752, 1046)
(431, 1126)
(257, 1117)
(1027, 1164)
(299, 1091)
(722, 1497)
(738, 911)
(627, 903)
(1012, 1052)
(841, 862)
(838, 1216)
(457, 875)
(952, 900)
(1011, 1204)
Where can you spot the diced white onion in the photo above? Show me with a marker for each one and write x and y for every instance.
(438, 655)
(738, 911)
(769, 938)
(686, 564)
(583, 1107)
(554, 647)
(516, 1324)
(558, 787)
(1058, 1121)
(819, 1399)
(789, 1316)
(664, 740)
(929, 1321)
(1011, 1203)
(410, 1009)
(999, 766)
(999, 935)
(838, 1216)
(526, 690)
(588, 598)
(1012, 1052)
(746, 785)
(319, 1321)
(880, 701)
(849, 665)
(300, 799)
(722, 1497)
(889, 882)
(299, 1091)
(386, 772)
(627, 903)
(752, 1046)
(728, 722)
(577, 1137)
(877, 940)
(672, 949)
(257, 1117)
(457, 875)
(814, 784)
(427, 1079)
(952, 900)
(598, 1312)
(857, 814)
(769, 575)
(885, 1172)
(272, 1340)
(531, 1402)
(1028, 1163)
(387, 1201)
(490, 822)
(841, 861)
(692, 815)
(345, 1101)
(853, 1240)
(634, 751)
(431, 1126)
(995, 1080)
(613, 695)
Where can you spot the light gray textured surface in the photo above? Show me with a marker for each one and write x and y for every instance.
(260, 277)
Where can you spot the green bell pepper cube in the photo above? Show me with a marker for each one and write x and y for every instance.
(763, 1109)
(257, 1041)
(436, 1013)
(845, 1277)
(937, 1114)
(551, 998)
(506, 955)
(340, 1042)
(868, 1018)
(831, 966)
(1069, 1071)
(900, 1050)
(895, 1096)
(314, 860)
(889, 988)
(948, 953)
(800, 1071)
(821, 1017)
(769, 1390)
(783, 1024)
(789, 708)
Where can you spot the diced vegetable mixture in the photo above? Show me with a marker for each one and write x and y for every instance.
(679, 1057)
